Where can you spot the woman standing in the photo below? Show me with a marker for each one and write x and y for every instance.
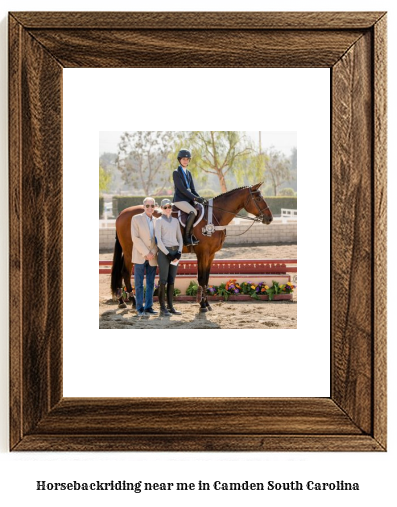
(170, 244)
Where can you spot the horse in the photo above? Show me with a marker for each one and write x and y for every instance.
(225, 207)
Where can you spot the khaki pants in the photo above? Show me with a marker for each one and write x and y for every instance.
(185, 206)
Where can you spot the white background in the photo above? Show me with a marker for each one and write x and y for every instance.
(18, 472)
(275, 362)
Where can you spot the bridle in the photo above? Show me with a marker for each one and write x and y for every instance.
(256, 196)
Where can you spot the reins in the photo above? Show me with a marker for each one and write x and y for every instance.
(255, 219)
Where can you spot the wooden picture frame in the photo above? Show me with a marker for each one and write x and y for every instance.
(353, 46)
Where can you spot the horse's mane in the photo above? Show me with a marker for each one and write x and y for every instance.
(231, 191)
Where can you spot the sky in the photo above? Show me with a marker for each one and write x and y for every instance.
(282, 141)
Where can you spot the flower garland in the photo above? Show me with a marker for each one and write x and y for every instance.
(230, 288)
(233, 288)
(127, 296)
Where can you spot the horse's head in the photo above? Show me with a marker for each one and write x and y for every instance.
(256, 204)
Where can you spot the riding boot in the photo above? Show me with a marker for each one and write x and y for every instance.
(163, 309)
(189, 224)
(170, 298)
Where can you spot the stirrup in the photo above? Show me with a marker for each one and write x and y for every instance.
(191, 240)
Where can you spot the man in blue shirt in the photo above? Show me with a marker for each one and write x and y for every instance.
(144, 256)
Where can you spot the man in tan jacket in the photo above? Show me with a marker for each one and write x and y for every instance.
(144, 256)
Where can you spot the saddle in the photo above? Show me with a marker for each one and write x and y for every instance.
(209, 228)
(182, 215)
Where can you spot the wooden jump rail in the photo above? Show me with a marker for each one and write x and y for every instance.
(227, 267)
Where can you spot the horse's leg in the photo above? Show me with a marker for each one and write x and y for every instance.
(209, 307)
(126, 276)
(122, 303)
(127, 268)
(202, 265)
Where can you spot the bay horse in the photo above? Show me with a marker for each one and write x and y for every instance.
(225, 207)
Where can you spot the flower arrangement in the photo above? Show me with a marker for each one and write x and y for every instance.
(288, 288)
(156, 290)
(222, 291)
(273, 290)
(261, 288)
(277, 288)
(212, 290)
(192, 289)
(233, 287)
(122, 293)
(248, 288)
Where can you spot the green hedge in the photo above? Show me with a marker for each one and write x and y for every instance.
(101, 206)
(122, 202)
(275, 203)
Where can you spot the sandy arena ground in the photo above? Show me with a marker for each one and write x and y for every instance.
(225, 315)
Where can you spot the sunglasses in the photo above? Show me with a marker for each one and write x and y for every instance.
(167, 207)
(149, 205)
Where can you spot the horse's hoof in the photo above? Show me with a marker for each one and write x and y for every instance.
(122, 305)
(203, 310)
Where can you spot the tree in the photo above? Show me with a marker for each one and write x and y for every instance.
(252, 168)
(277, 168)
(104, 179)
(143, 159)
(287, 192)
(294, 159)
(108, 162)
(294, 168)
(217, 152)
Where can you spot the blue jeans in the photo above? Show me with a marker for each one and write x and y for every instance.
(139, 274)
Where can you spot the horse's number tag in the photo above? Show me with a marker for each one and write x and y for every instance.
(209, 229)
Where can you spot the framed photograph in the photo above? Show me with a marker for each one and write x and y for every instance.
(353, 46)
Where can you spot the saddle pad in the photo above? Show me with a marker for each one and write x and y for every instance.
(182, 216)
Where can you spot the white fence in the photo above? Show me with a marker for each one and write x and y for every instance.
(107, 224)
(289, 214)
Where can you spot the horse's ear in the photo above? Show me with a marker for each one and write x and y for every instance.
(258, 185)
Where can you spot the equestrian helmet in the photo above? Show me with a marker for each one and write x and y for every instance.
(165, 202)
(184, 153)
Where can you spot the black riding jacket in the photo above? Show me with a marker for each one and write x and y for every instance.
(184, 188)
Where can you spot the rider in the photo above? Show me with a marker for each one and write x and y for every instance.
(185, 194)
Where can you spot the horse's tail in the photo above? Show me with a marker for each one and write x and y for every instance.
(117, 268)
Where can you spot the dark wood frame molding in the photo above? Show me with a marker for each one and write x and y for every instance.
(353, 46)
